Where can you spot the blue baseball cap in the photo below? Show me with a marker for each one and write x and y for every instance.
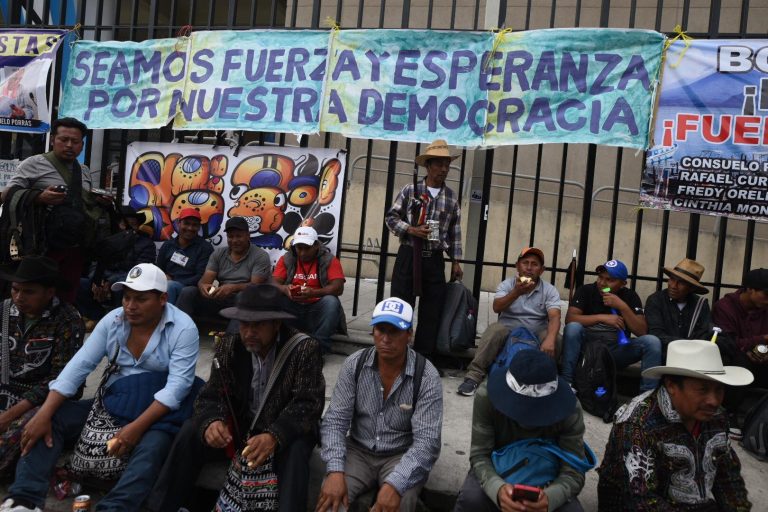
(615, 268)
(393, 311)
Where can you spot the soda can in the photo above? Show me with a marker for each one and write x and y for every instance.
(434, 230)
(82, 502)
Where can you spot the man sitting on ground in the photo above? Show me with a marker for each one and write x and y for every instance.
(599, 313)
(526, 401)
(148, 335)
(525, 300)
(184, 258)
(230, 270)
(314, 280)
(391, 402)
(678, 313)
(249, 374)
(669, 448)
(743, 317)
(44, 333)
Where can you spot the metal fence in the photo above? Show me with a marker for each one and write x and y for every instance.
(558, 197)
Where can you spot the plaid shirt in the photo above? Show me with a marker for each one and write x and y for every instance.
(652, 462)
(444, 208)
(39, 350)
(385, 427)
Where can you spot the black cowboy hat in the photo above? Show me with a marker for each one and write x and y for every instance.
(259, 302)
(37, 269)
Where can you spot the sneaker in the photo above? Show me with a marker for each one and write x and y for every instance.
(10, 506)
(467, 388)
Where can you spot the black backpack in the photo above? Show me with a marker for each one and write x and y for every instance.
(755, 429)
(458, 323)
(22, 226)
(595, 381)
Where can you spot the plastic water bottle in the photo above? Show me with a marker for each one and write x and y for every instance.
(623, 340)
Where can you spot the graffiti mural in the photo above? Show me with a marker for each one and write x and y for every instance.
(275, 189)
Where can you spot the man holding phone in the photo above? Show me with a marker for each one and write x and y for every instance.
(525, 401)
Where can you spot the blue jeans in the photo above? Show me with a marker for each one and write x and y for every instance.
(646, 349)
(174, 289)
(34, 470)
(319, 319)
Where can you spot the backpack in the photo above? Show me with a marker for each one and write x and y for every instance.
(536, 461)
(458, 323)
(595, 381)
(755, 429)
(418, 371)
(22, 225)
(519, 339)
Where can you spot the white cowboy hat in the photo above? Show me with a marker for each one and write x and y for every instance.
(437, 149)
(701, 360)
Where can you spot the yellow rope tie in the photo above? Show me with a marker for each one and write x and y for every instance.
(331, 23)
(687, 40)
(496, 43)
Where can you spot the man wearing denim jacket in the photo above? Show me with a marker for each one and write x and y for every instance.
(148, 335)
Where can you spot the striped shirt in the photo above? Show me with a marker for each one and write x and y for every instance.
(444, 208)
(385, 427)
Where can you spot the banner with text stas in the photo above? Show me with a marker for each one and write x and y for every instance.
(127, 85)
(711, 138)
(276, 189)
(255, 80)
(26, 56)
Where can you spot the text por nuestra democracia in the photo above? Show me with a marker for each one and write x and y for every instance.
(406, 91)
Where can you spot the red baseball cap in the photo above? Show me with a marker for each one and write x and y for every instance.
(532, 250)
(189, 212)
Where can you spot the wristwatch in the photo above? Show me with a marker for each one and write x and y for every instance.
(760, 349)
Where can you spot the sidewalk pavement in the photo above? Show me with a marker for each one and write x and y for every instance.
(448, 474)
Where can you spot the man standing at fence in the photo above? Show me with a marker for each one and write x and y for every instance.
(427, 219)
(65, 188)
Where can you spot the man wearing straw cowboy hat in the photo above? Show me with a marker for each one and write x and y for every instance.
(427, 219)
(679, 312)
(265, 395)
(669, 447)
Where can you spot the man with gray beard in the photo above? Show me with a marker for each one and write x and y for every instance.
(264, 397)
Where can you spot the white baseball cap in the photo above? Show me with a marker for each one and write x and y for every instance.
(393, 311)
(143, 277)
(304, 235)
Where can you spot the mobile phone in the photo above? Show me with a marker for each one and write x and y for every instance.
(294, 289)
(525, 492)
(60, 188)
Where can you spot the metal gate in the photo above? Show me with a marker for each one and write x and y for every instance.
(558, 197)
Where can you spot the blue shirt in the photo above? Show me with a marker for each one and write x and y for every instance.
(172, 348)
(385, 426)
(197, 253)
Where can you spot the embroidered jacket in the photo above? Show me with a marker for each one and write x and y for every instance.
(652, 462)
(38, 351)
(291, 409)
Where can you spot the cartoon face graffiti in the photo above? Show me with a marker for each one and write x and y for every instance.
(263, 208)
(209, 204)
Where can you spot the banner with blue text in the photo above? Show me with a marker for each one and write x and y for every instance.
(25, 58)
(470, 88)
(711, 137)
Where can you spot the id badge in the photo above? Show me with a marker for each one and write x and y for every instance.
(179, 259)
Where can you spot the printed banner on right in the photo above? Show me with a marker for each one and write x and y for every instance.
(710, 148)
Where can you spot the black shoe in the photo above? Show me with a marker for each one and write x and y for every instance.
(467, 388)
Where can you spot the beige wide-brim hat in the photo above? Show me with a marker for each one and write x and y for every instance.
(438, 149)
(699, 359)
(689, 271)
